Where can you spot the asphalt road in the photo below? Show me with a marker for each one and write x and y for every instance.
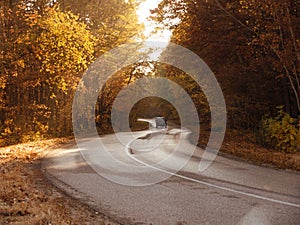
(228, 192)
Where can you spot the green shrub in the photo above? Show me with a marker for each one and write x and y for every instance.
(281, 132)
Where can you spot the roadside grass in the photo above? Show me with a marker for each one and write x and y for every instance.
(242, 146)
(26, 197)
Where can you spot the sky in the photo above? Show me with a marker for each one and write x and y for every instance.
(143, 13)
(164, 36)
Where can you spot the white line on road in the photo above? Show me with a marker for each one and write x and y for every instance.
(209, 184)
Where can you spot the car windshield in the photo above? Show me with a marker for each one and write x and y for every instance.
(160, 122)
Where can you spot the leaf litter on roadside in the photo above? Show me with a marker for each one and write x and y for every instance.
(26, 197)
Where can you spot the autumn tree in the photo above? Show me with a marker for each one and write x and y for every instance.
(226, 39)
(275, 28)
(46, 46)
(44, 52)
(112, 22)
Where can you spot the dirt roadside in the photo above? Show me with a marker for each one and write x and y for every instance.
(26, 197)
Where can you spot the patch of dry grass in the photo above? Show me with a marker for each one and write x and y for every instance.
(26, 197)
(241, 146)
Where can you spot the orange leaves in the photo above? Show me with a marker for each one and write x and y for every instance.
(65, 45)
(32, 19)
(21, 63)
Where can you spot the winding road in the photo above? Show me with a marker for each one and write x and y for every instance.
(228, 192)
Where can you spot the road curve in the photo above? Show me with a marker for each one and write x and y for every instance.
(228, 192)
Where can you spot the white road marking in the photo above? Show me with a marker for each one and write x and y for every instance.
(209, 184)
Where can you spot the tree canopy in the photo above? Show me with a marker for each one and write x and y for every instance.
(252, 46)
(45, 47)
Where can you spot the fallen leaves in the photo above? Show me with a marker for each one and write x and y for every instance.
(26, 197)
(241, 146)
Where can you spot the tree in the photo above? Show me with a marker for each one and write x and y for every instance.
(45, 47)
(275, 28)
(43, 57)
(112, 22)
(223, 34)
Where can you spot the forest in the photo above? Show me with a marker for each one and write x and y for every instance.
(252, 47)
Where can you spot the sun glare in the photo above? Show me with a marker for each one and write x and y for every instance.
(162, 36)
(143, 13)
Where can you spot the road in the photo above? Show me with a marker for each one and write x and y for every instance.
(228, 192)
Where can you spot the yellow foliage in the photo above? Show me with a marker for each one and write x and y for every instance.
(281, 132)
(65, 46)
